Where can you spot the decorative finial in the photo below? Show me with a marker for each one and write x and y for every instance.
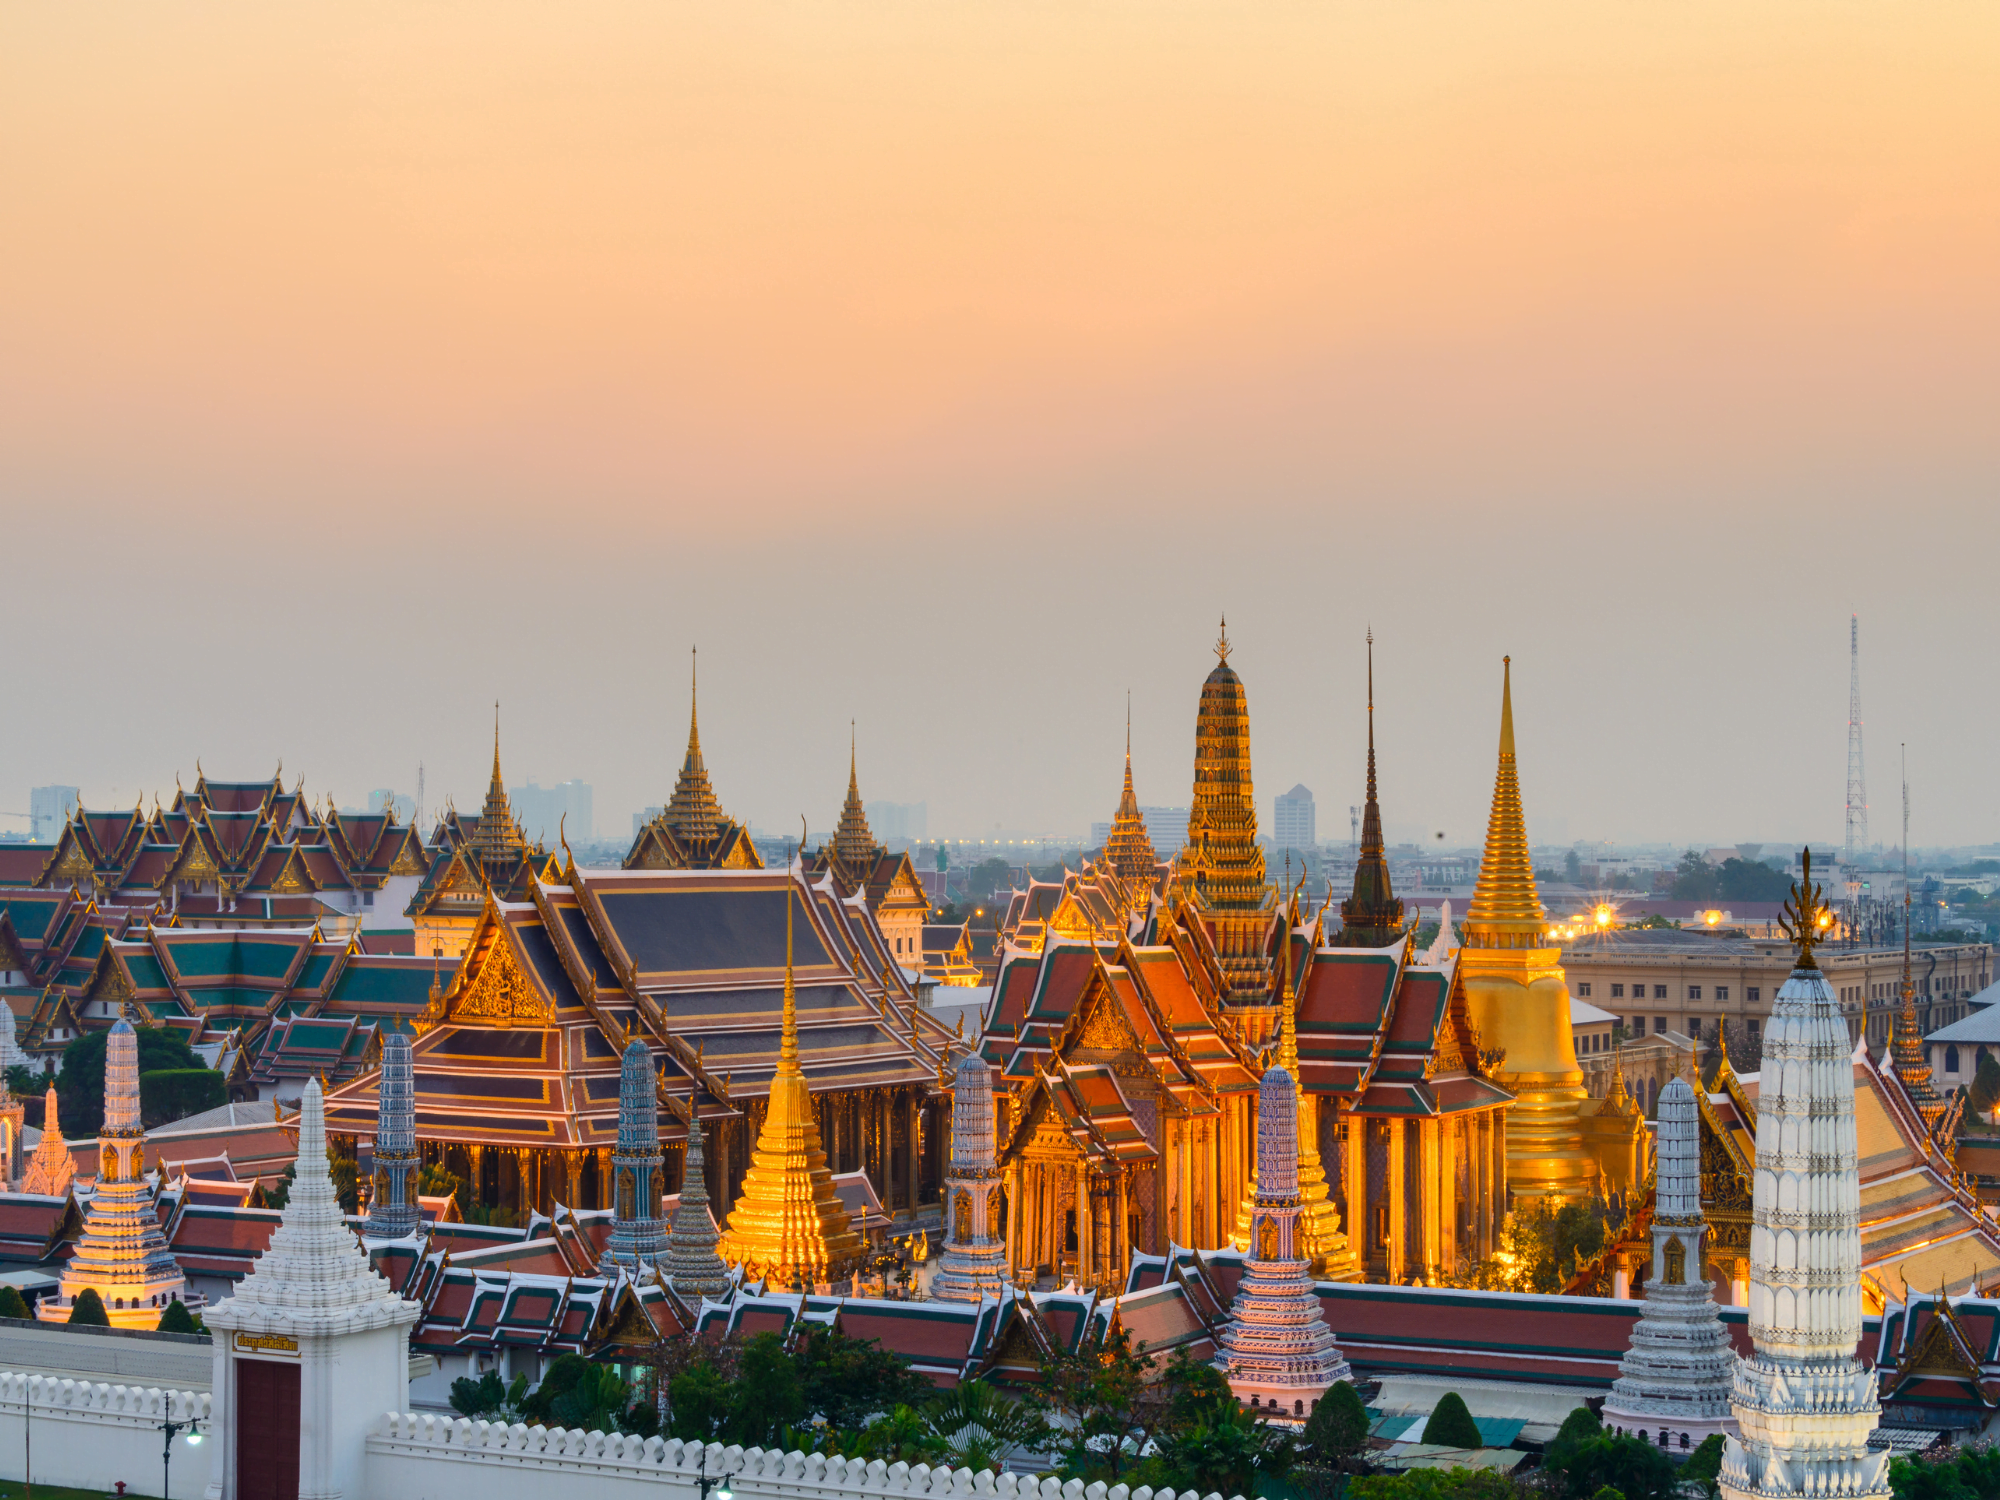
(788, 1045)
(1222, 641)
(1806, 914)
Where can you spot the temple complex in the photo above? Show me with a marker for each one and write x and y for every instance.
(1220, 870)
(1804, 1405)
(1520, 1000)
(974, 1264)
(789, 1226)
(122, 1254)
(1673, 1384)
(692, 832)
(1277, 1349)
(518, 1053)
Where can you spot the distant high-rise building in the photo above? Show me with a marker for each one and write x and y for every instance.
(642, 818)
(1293, 824)
(49, 808)
(1100, 835)
(544, 812)
(899, 822)
(1167, 827)
(404, 807)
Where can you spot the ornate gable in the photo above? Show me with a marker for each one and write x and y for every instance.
(499, 992)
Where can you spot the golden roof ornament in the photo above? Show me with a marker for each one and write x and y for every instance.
(853, 844)
(1806, 917)
(692, 812)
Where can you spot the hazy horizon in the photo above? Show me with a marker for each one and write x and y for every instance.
(952, 370)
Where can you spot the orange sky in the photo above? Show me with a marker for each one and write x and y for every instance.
(868, 340)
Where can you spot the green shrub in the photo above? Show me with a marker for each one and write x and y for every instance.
(1630, 1465)
(1451, 1425)
(177, 1319)
(1338, 1426)
(88, 1310)
(13, 1304)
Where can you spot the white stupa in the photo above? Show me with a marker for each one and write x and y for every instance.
(974, 1263)
(1673, 1383)
(1804, 1405)
(313, 1324)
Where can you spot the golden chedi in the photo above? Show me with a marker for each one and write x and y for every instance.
(788, 1226)
(1519, 999)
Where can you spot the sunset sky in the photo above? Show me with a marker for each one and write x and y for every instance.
(952, 366)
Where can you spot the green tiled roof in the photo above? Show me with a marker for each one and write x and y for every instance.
(365, 983)
(145, 971)
(313, 975)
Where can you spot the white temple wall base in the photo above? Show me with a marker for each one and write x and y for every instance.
(91, 1436)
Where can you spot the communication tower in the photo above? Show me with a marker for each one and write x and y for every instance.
(1857, 774)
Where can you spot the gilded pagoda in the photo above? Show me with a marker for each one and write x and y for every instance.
(888, 882)
(1220, 871)
(1129, 849)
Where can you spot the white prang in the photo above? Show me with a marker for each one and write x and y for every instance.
(1804, 1405)
(313, 1301)
(1674, 1381)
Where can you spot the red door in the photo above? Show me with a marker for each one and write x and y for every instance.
(267, 1430)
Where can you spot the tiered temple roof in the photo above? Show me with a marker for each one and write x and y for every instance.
(1129, 849)
(692, 832)
(1372, 917)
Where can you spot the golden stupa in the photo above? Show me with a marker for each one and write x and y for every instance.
(788, 1226)
(1129, 849)
(1519, 999)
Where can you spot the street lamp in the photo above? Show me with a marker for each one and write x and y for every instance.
(720, 1484)
(170, 1427)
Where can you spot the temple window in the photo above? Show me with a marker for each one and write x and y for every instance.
(1617, 992)
(1694, 992)
(1584, 989)
(1722, 992)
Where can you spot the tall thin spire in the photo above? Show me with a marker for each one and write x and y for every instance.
(692, 813)
(1913, 1069)
(499, 839)
(1506, 910)
(853, 844)
(1129, 849)
(1374, 916)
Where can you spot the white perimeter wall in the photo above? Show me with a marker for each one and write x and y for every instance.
(90, 1437)
(413, 1457)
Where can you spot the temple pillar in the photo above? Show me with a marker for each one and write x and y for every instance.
(1211, 1169)
(912, 1137)
(1399, 1229)
(573, 1178)
(1186, 1233)
(1011, 1186)
(1444, 1167)
(1100, 1235)
(475, 1175)
(1121, 1230)
(1086, 1260)
(1739, 1284)
(1501, 1195)
(1354, 1178)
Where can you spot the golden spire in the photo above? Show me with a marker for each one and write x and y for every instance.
(1506, 910)
(1129, 850)
(1806, 916)
(853, 844)
(788, 1225)
(692, 813)
(499, 840)
(1222, 642)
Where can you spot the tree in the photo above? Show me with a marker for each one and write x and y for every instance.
(13, 1304)
(177, 1319)
(1338, 1426)
(1573, 868)
(489, 1396)
(1630, 1465)
(80, 1084)
(1209, 1442)
(1751, 880)
(557, 1381)
(978, 1424)
(1438, 1484)
(1695, 879)
(1581, 1425)
(175, 1093)
(769, 1393)
(596, 1401)
(1110, 1409)
(1985, 1090)
(698, 1400)
(985, 877)
(1451, 1425)
(88, 1310)
(1704, 1465)
(847, 1380)
(346, 1174)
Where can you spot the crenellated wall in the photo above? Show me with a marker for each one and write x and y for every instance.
(443, 1458)
(89, 1436)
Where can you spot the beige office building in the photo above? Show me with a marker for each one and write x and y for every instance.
(1660, 980)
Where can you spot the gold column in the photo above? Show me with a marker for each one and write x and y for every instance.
(1399, 1228)
(1211, 1132)
(1429, 1196)
(1085, 1261)
(476, 1187)
(1453, 1152)
(1359, 1217)
(1011, 1180)
(1121, 1232)
(1186, 1235)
